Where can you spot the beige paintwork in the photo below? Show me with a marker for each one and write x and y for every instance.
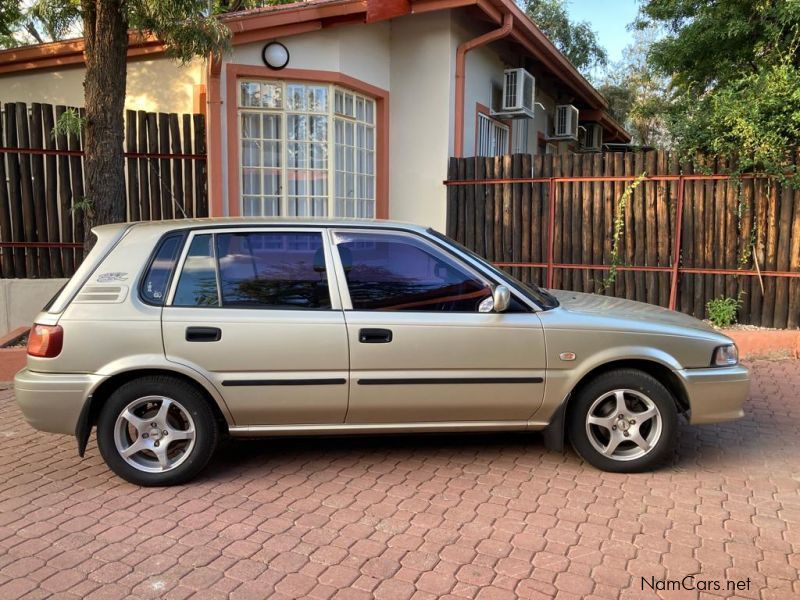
(153, 85)
(104, 340)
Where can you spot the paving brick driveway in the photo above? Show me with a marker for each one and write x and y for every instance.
(423, 517)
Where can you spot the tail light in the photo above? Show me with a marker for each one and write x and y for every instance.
(45, 341)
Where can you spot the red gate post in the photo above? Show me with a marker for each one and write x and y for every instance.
(551, 227)
(676, 252)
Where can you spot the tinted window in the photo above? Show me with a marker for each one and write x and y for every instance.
(197, 285)
(400, 272)
(272, 270)
(154, 284)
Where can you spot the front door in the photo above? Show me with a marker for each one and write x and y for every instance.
(420, 350)
(254, 311)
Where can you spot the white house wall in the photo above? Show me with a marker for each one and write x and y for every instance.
(422, 72)
(410, 58)
(154, 85)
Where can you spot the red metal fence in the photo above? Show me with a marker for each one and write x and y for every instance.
(687, 236)
(42, 186)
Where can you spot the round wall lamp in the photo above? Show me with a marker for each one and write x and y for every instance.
(275, 55)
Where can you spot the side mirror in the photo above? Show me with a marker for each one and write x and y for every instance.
(501, 298)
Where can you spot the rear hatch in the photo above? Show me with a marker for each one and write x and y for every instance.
(107, 237)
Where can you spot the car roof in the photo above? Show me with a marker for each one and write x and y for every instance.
(178, 224)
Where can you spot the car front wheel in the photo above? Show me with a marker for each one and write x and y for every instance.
(624, 421)
(156, 431)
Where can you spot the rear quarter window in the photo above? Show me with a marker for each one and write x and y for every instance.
(159, 272)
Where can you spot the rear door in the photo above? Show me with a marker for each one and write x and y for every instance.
(420, 350)
(255, 311)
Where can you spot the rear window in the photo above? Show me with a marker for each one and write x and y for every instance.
(156, 280)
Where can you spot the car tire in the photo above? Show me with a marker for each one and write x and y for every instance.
(157, 431)
(623, 421)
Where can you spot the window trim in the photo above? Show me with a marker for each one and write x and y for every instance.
(234, 72)
(344, 290)
(333, 288)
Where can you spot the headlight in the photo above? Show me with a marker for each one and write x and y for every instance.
(725, 356)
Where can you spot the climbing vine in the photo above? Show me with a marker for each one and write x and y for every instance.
(619, 227)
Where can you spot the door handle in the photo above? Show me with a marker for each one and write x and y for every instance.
(203, 334)
(375, 336)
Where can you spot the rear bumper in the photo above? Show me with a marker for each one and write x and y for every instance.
(53, 401)
(716, 394)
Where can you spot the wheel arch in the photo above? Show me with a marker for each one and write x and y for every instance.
(555, 432)
(98, 396)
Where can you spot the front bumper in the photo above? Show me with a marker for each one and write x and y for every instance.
(716, 394)
(53, 401)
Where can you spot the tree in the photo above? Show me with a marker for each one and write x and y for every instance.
(735, 74)
(10, 20)
(187, 30)
(638, 96)
(186, 27)
(577, 41)
(38, 22)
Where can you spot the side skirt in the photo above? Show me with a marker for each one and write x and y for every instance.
(373, 428)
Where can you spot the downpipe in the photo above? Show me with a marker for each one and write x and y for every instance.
(461, 59)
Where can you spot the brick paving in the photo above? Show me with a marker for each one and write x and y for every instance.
(411, 517)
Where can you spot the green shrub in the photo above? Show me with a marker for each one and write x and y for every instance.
(722, 311)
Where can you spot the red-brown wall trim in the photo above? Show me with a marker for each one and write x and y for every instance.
(214, 138)
(233, 72)
(482, 109)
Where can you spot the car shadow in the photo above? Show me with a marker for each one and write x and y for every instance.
(753, 439)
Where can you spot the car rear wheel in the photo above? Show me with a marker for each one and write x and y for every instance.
(156, 431)
(623, 421)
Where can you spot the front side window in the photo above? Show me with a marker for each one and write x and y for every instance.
(387, 271)
(307, 149)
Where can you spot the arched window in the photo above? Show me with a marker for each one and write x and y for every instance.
(307, 149)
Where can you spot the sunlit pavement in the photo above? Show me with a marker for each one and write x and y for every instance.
(411, 517)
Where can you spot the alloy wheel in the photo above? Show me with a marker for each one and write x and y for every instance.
(154, 434)
(623, 424)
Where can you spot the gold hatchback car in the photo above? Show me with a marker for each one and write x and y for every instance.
(172, 334)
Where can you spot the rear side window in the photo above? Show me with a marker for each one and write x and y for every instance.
(156, 280)
(273, 270)
(197, 285)
(268, 270)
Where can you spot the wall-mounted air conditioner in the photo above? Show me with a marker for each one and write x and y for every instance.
(519, 91)
(565, 123)
(592, 137)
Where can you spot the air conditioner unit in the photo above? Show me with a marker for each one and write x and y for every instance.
(519, 92)
(592, 137)
(566, 122)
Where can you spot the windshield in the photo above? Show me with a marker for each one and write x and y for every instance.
(532, 291)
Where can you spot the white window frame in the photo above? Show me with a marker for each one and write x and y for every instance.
(331, 166)
(488, 136)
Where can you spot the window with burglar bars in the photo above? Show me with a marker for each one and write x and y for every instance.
(492, 137)
(307, 149)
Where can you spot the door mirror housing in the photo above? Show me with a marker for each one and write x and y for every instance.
(502, 298)
(498, 302)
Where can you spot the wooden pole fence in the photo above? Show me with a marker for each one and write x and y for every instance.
(681, 229)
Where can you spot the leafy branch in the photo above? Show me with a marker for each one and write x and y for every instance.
(70, 122)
